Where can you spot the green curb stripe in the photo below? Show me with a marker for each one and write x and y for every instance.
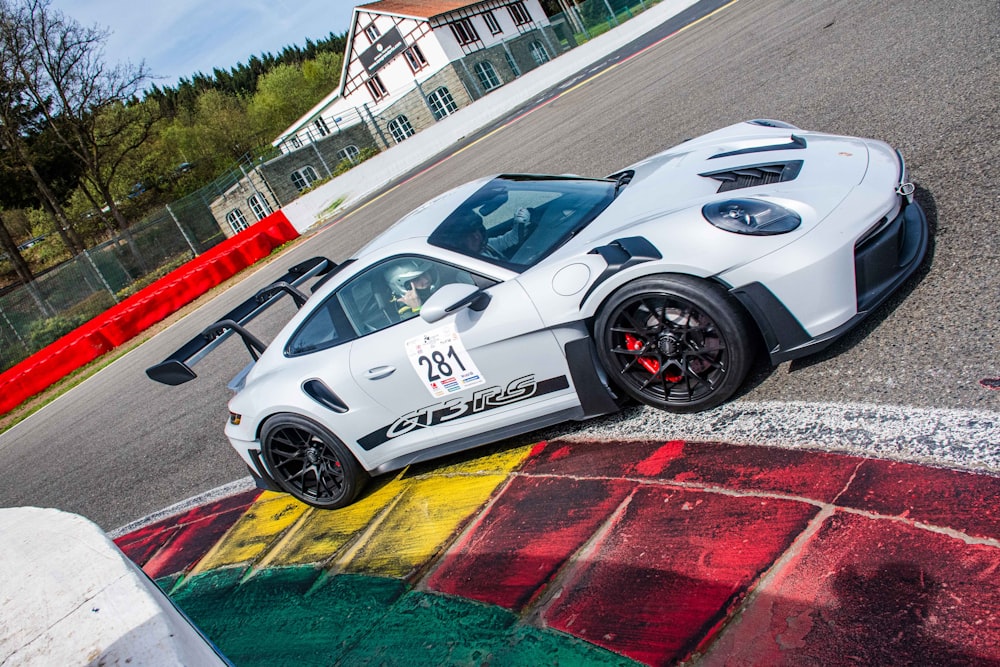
(296, 616)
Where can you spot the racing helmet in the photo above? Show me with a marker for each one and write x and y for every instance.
(402, 274)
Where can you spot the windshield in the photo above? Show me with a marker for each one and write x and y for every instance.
(516, 221)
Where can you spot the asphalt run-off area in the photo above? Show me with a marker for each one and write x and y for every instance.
(604, 553)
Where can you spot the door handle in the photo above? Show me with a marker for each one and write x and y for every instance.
(380, 372)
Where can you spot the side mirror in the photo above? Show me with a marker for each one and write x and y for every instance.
(452, 298)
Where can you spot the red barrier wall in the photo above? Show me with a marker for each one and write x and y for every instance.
(141, 310)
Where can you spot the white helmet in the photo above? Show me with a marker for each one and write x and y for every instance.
(402, 274)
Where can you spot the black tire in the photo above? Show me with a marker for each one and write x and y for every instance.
(310, 463)
(674, 342)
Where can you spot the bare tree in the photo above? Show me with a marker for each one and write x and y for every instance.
(89, 105)
(19, 116)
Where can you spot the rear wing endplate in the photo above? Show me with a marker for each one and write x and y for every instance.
(176, 369)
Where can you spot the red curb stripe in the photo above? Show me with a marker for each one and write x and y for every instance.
(671, 569)
(871, 592)
(814, 475)
(529, 533)
(176, 543)
(963, 501)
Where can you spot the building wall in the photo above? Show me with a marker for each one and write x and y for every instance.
(237, 198)
(449, 64)
(321, 155)
(414, 104)
(519, 50)
(487, 39)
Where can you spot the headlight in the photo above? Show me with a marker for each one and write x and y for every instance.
(751, 216)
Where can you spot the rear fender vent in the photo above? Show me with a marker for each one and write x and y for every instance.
(754, 175)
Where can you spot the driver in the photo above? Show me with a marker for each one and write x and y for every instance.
(412, 281)
(471, 237)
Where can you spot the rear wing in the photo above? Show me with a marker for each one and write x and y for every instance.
(176, 369)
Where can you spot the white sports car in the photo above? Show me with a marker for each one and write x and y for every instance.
(518, 301)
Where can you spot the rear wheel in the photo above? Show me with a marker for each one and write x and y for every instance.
(310, 463)
(674, 342)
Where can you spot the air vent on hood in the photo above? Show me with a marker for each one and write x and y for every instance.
(754, 175)
(796, 143)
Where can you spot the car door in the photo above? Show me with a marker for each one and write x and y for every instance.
(471, 372)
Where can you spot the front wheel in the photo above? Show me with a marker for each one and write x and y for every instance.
(674, 342)
(310, 463)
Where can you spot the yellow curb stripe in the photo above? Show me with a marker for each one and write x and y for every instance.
(321, 535)
(252, 535)
(432, 510)
(429, 513)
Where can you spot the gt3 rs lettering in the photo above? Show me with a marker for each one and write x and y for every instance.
(480, 401)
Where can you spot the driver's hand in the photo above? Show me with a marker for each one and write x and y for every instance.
(412, 299)
(522, 216)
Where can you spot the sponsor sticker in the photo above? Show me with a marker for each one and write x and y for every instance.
(442, 362)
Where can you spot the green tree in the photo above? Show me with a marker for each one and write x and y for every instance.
(288, 91)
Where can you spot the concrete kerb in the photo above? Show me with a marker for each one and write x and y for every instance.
(373, 174)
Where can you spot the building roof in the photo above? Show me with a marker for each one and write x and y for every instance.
(422, 9)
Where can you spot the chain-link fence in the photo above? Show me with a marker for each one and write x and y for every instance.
(65, 296)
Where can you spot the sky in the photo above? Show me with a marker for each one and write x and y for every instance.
(177, 38)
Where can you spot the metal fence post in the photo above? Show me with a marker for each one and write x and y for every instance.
(181, 229)
(100, 275)
(17, 334)
(614, 19)
(375, 124)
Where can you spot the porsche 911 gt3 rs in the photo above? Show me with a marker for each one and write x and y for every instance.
(518, 301)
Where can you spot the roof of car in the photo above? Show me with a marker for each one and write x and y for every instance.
(420, 222)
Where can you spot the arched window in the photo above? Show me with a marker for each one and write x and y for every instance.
(400, 128)
(487, 76)
(442, 103)
(237, 222)
(259, 206)
(304, 177)
(348, 153)
(539, 53)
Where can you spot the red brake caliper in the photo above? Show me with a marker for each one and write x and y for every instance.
(651, 365)
(634, 344)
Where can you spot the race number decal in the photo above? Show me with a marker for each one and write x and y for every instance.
(442, 363)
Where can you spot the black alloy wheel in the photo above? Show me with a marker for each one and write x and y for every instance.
(311, 463)
(674, 342)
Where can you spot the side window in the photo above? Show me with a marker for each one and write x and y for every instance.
(325, 327)
(385, 294)
(395, 290)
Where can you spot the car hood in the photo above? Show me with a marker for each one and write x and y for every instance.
(809, 172)
(818, 169)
